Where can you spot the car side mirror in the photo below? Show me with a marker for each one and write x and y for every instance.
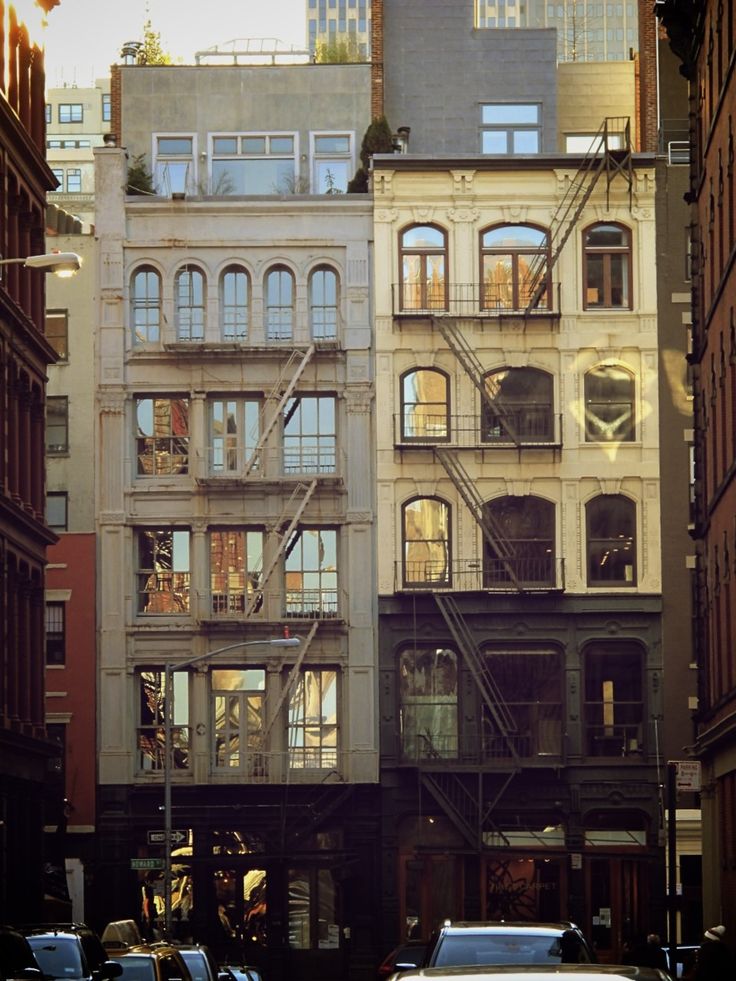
(111, 969)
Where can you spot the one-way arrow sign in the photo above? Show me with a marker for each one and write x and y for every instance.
(159, 837)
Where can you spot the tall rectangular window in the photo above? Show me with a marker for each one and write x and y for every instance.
(74, 180)
(309, 435)
(173, 166)
(163, 577)
(150, 735)
(511, 128)
(106, 107)
(236, 562)
(234, 431)
(57, 424)
(313, 721)
(311, 573)
(162, 436)
(55, 633)
(57, 332)
(71, 112)
(238, 700)
(57, 510)
(332, 156)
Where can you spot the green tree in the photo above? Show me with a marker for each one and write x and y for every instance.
(151, 52)
(140, 180)
(338, 51)
(378, 138)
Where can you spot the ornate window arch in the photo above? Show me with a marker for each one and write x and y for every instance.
(425, 405)
(515, 267)
(524, 398)
(234, 303)
(609, 393)
(145, 304)
(611, 540)
(528, 527)
(190, 296)
(426, 542)
(607, 266)
(280, 303)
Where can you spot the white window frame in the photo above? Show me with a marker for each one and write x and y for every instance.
(316, 157)
(161, 161)
(510, 128)
(240, 155)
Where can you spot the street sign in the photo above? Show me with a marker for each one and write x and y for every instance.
(687, 775)
(146, 863)
(159, 837)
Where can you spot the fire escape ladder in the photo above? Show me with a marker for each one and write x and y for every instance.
(276, 400)
(458, 803)
(280, 536)
(489, 690)
(463, 351)
(491, 529)
(602, 157)
(303, 648)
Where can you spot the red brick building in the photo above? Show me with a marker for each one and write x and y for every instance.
(702, 34)
(24, 355)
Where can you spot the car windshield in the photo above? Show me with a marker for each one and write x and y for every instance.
(58, 958)
(196, 961)
(136, 968)
(499, 948)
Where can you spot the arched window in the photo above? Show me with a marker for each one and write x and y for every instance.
(145, 305)
(426, 537)
(323, 304)
(425, 405)
(189, 300)
(609, 405)
(611, 541)
(514, 268)
(234, 303)
(423, 268)
(279, 304)
(614, 706)
(522, 406)
(428, 703)
(607, 266)
(526, 551)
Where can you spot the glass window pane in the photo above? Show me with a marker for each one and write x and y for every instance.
(423, 236)
(526, 141)
(225, 144)
(175, 145)
(510, 114)
(495, 141)
(332, 144)
(282, 144)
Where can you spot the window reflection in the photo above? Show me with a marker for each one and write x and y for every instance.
(611, 520)
(424, 402)
(423, 264)
(513, 257)
(522, 406)
(426, 541)
(428, 692)
(527, 525)
(609, 405)
(607, 266)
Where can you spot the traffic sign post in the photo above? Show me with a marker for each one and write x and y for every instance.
(159, 837)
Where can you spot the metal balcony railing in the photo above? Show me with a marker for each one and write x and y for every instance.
(298, 764)
(496, 299)
(313, 604)
(622, 737)
(314, 458)
(532, 573)
(538, 736)
(533, 425)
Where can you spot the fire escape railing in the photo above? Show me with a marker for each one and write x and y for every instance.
(489, 526)
(609, 154)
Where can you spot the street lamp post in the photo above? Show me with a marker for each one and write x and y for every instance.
(169, 670)
(62, 264)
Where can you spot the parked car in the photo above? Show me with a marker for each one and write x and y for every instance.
(243, 972)
(535, 972)
(151, 962)
(17, 962)
(200, 962)
(71, 951)
(507, 943)
(407, 955)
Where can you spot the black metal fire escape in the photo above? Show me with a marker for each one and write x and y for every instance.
(609, 155)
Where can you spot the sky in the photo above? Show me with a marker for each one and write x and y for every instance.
(83, 37)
